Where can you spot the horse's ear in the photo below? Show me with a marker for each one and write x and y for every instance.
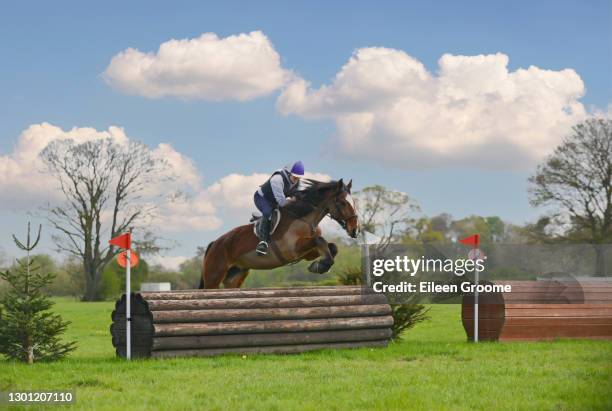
(340, 184)
(349, 185)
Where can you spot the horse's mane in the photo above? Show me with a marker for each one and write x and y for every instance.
(310, 193)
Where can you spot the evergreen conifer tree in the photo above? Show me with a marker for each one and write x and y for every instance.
(29, 332)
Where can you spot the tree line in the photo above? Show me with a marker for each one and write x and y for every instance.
(104, 187)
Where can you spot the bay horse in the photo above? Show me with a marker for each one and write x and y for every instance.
(229, 258)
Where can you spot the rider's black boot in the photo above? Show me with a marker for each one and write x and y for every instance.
(262, 247)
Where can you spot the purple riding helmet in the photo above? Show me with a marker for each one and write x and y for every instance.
(298, 169)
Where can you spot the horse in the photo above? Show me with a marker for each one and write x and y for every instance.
(297, 237)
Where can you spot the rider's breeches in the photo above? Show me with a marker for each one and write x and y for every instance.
(263, 205)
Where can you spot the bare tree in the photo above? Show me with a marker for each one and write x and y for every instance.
(576, 181)
(384, 212)
(106, 188)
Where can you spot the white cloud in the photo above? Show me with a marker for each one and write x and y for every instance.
(25, 186)
(235, 191)
(317, 176)
(181, 165)
(389, 108)
(239, 67)
(188, 213)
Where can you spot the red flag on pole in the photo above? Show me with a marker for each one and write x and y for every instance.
(473, 240)
(123, 241)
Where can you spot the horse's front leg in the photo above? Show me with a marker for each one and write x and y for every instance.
(327, 251)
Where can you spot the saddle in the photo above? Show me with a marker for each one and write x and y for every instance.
(256, 219)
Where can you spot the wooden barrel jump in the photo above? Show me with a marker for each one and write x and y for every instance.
(542, 310)
(267, 320)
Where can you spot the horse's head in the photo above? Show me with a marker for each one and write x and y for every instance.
(342, 208)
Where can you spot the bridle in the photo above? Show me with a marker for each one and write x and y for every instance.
(339, 218)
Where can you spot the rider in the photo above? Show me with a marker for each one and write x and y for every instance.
(272, 194)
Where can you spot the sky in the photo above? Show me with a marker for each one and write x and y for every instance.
(453, 103)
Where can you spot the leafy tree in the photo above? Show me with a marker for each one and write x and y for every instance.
(350, 276)
(103, 185)
(427, 230)
(575, 181)
(29, 332)
(443, 229)
(406, 316)
(491, 229)
(386, 213)
(191, 270)
(73, 277)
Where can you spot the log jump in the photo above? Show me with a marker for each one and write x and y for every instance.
(268, 320)
(542, 310)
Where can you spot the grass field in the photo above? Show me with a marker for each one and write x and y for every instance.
(433, 368)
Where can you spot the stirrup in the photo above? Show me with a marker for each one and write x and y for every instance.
(262, 248)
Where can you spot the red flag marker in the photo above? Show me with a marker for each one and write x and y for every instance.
(475, 253)
(473, 240)
(123, 241)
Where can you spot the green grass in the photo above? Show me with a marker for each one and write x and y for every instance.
(433, 368)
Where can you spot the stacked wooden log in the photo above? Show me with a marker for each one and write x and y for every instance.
(269, 320)
(542, 310)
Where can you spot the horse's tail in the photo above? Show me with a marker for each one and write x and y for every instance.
(201, 286)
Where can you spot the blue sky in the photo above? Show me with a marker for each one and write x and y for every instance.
(54, 54)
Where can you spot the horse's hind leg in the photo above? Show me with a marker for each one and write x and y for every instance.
(214, 270)
(235, 277)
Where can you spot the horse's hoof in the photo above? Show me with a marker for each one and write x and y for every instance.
(314, 267)
(324, 267)
(319, 267)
